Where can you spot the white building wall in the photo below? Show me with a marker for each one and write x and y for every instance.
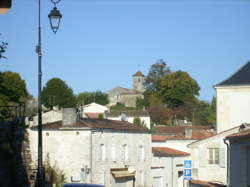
(233, 106)
(48, 117)
(68, 149)
(133, 141)
(95, 108)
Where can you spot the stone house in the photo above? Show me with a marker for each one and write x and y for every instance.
(127, 96)
(101, 151)
(129, 115)
(239, 159)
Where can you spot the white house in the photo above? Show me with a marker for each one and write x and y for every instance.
(233, 99)
(239, 159)
(167, 167)
(101, 151)
(129, 115)
(170, 150)
(209, 158)
(93, 110)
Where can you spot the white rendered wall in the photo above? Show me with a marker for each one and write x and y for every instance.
(95, 108)
(133, 141)
(146, 119)
(233, 106)
(69, 151)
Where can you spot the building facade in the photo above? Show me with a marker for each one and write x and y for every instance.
(99, 151)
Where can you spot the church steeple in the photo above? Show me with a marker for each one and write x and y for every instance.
(138, 81)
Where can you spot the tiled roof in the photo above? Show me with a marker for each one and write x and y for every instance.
(165, 151)
(159, 138)
(97, 124)
(138, 74)
(206, 184)
(241, 77)
(178, 133)
(92, 115)
(133, 113)
(242, 134)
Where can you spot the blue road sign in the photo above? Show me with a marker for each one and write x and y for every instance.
(187, 163)
(187, 172)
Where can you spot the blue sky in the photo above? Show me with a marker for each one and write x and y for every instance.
(101, 43)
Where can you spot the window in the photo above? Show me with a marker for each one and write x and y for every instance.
(141, 153)
(213, 156)
(113, 151)
(142, 178)
(125, 152)
(103, 153)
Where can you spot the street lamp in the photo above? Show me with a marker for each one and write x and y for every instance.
(52, 16)
(55, 18)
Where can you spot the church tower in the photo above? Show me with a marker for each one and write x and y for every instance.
(138, 81)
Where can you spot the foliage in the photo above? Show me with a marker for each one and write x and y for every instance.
(177, 88)
(160, 114)
(141, 103)
(13, 88)
(89, 97)
(156, 72)
(121, 106)
(57, 93)
(138, 122)
(53, 175)
(100, 116)
(3, 47)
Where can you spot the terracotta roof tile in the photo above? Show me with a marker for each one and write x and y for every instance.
(133, 113)
(165, 151)
(159, 138)
(178, 132)
(206, 184)
(138, 74)
(92, 115)
(97, 124)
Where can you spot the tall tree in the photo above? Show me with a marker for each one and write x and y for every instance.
(89, 97)
(156, 72)
(57, 93)
(177, 88)
(3, 46)
(13, 88)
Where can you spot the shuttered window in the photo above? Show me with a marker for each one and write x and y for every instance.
(213, 156)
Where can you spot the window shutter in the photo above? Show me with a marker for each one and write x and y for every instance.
(222, 155)
(106, 152)
(138, 153)
(144, 152)
(202, 157)
(99, 153)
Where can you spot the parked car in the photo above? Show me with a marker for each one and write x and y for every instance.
(81, 185)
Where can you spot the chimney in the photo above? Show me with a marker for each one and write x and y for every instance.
(69, 116)
(188, 132)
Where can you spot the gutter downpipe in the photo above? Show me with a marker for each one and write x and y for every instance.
(228, 163)
(172, 172)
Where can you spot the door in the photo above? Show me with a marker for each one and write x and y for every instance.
(157, 182)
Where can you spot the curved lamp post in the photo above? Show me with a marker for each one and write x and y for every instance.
(53, 16)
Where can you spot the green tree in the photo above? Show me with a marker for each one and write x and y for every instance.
(156, 72)
(13, 88)
(57, 93)
(89, 97)
(138, 121)
(177, 88)
(3, 46)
